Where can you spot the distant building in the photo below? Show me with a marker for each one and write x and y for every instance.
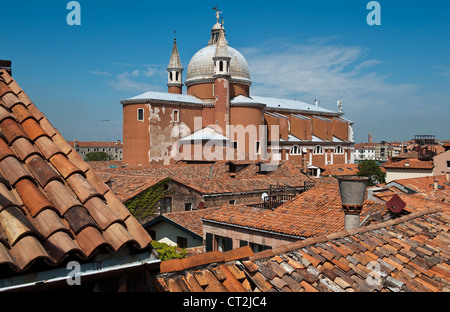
(407, 169)
(363, 151)
(114, 149)
(161, 128)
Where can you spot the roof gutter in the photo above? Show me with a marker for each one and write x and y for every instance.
(86, 272)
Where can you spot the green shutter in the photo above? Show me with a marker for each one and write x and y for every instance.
(228, 244)
(209, 242)
(243, 243)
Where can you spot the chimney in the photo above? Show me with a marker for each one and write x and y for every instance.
(352, 190)
(6, 65)
(447, 176)
(436, 184)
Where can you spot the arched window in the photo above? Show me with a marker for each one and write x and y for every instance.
(221, 66)
(295, 150)
(170, 76)
(176, 76)
(339, 150)
(318, 150)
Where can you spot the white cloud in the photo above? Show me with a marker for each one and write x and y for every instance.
(139, 80)
(100, 73)
(126, 81)
(324, 70)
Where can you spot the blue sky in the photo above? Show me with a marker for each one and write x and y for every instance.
(393, 79)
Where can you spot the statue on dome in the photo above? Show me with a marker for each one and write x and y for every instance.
(218, 14)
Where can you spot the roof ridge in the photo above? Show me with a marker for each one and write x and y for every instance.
(340, 234)
(206, 258)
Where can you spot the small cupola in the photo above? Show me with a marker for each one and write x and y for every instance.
(175, 70)
(222, 57)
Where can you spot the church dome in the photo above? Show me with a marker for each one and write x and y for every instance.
(201, 66)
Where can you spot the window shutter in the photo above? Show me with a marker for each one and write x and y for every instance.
(209, 242)
(228, 244)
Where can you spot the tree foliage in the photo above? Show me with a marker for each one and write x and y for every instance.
(167, 252)
(370, 169)
(97, 156)
(146, 203)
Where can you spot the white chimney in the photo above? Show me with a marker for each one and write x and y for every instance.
(352, 190)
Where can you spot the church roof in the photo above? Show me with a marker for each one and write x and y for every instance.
(279, 103)
(163, 96)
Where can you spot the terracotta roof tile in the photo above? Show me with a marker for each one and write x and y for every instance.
(47, 147)
(5, 151)
(47, 223)
(59, 245)
(10, 99)
(33, 198)
(101, 213)
(345, 263)
(90, 240)
(61, 197)
(21, 112)
(12, 130)
(42, 194)
(41, 170)
(78, 218)
(4, 113)
(81, 187)
(64, 165)
(24, 148)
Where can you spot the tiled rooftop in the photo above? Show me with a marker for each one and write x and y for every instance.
(52, 204)
(410, 253)
(339, 169)
(411, 164)
(314, 212)
(205, 178)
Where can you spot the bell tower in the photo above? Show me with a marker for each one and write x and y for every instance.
(221, 77)
(175, 70)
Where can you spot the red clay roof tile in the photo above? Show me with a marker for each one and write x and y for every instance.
(24, 149)
(59, 245)
(14, 225)
(64, 165)
(10, 100)
(78, 218)
(81, 187)
(40, 213)
(13, 170)
(47, 126)
(4, 113)
(61, 197)
(4, 88)
(41, 170)
(33, 129)
(34, 200)
(101, 213)
(12, 130)
(118, 236)
(5, 151)
(90, 240)
(26, 251)
(47, 223)
(47, 147)
(21, 112)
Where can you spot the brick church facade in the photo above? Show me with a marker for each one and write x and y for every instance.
(217, 118)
